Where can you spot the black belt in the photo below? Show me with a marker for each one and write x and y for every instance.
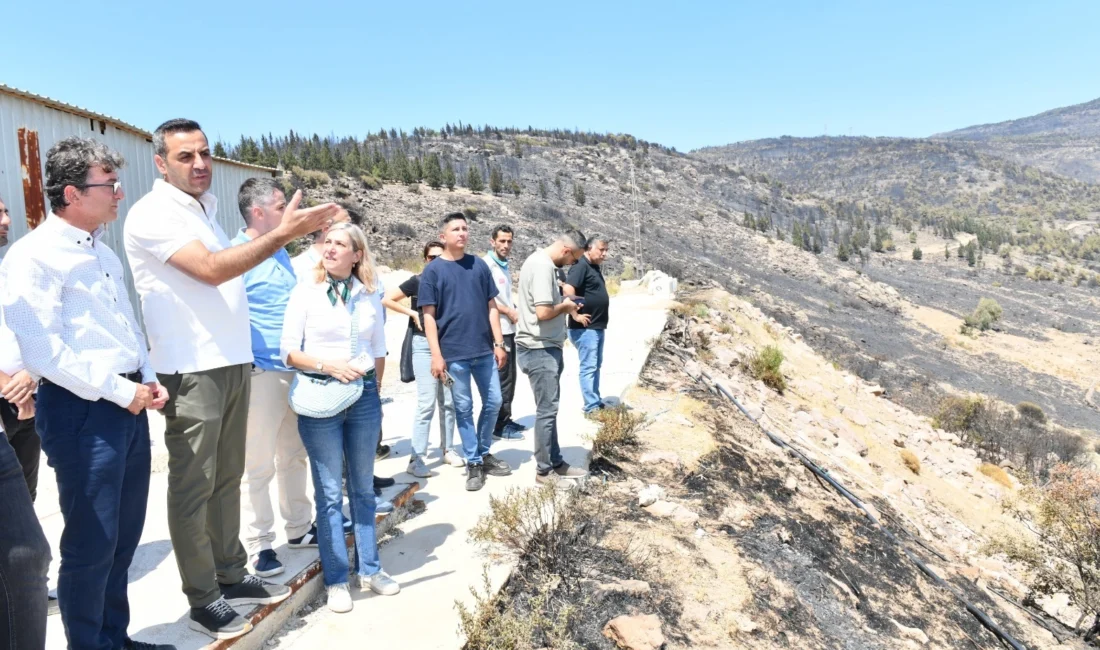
(134, 376)
(319, 377)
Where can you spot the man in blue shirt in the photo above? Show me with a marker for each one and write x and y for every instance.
(462, 324)
(273, 449)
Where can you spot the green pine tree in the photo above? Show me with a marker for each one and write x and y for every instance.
(449, 177)
(474, 180)
(219, 150)
(417, 169)
(578, 194)
(496, 180)
(542, 189)
(433, 173)
(514, 187)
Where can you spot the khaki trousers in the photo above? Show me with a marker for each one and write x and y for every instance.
(274, 450)
(206, 420)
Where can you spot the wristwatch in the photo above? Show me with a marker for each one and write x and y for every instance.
(320, 366)
(499, 345)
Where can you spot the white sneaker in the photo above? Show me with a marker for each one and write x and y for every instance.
(452, 458)
(339, 598)
(417, 468)
(380, 583)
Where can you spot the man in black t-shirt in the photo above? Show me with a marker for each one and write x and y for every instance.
(586, 329)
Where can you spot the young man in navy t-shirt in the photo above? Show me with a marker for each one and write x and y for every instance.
(462, 324)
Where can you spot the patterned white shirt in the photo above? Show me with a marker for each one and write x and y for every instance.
(64, 298)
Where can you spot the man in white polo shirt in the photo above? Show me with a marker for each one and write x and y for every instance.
(196, 315)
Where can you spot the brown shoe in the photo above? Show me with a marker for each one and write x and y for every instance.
(565, 470)
(549, 478)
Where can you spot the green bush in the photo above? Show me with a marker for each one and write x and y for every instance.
(1031, 411)
(371, 182)
(310, 178)
(957, 413)
(917, 254)
(984, 316)
(764, 364)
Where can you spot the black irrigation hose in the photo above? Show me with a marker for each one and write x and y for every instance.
(857, 502)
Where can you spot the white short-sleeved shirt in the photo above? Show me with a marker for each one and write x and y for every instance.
(503, 279)
(322, 330)
(191, 325)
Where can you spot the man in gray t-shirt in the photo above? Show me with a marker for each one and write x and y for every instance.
(540, 334)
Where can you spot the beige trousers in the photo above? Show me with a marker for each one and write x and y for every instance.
(274, 450)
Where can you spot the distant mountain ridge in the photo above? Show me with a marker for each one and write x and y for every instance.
(1077, 121)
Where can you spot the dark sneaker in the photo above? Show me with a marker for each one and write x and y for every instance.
(512, 424)
(52, 607)
(382, 451)
(218, 620)
(253, 591)
(141, 645)
(495, 466)
(380, 482)
(565, 470)
(265, 564)
(475, 477)
(309, 540)
(508, 433)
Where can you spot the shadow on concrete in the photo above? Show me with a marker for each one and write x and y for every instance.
(515, 457)
(175, 632)
(147, 558)
(415, 549)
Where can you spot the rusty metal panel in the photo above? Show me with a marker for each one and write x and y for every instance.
(29, 163)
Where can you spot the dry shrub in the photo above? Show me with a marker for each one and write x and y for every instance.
(310, 178)
(764, 364)
(996, 473)
(370, 182)
(613, 286)
(1064, 555)
(494, 623)
(911, 461)
(618, 429)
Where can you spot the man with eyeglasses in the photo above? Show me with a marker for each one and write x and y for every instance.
(540, 335)
(196, 313)
(65, 300)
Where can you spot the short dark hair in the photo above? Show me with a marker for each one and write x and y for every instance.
(595, 239)
(177, 125)
(573, 237)
(355, 214)
(253, 192)
(435, 243)
(449, 217)
(68, 163)
(502, 228)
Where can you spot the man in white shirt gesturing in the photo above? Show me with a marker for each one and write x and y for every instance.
(65, 300)
(196, 314)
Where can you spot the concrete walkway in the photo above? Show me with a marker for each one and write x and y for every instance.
(430, 556)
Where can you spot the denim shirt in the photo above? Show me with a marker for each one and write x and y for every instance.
(268, 286)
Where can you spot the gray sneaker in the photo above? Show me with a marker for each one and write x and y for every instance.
(417, 468)
(565, 470)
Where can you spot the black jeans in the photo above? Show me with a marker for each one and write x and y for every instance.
(25, 441)
(24, 560)
(507, 384)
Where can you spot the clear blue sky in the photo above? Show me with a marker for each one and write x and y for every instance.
(685, 74)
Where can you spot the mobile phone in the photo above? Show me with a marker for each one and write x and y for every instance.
(578, 299)
(448, 380)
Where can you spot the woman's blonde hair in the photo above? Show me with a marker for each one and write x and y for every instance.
(364, 268)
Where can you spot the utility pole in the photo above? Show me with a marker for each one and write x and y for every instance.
(637, 221)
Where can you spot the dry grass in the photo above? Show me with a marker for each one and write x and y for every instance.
(911, 461)
(764, 364)
(996, 473)
(618, 429)
(613, 286)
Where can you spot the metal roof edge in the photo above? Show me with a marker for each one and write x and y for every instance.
(126, 126)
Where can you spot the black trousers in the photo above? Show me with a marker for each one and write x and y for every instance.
(25, 441)
(507, 384)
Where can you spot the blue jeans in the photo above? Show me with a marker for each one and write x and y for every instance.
(589, 344)
(430, 395)
(349, 436)
(482, 371)
(100, 455)
(24, 559)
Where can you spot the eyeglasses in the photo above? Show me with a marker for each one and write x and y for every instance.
(116, 187)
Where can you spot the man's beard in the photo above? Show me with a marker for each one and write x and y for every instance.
(3, 241)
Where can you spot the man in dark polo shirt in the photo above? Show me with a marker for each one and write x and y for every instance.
(586, 330)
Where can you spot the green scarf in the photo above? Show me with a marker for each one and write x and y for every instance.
(341, 288)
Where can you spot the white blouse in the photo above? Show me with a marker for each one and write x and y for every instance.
(322, 330)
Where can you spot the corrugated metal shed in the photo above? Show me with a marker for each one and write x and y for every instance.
(30, 124)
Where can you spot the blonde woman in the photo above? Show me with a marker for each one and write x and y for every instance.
(317, 341)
